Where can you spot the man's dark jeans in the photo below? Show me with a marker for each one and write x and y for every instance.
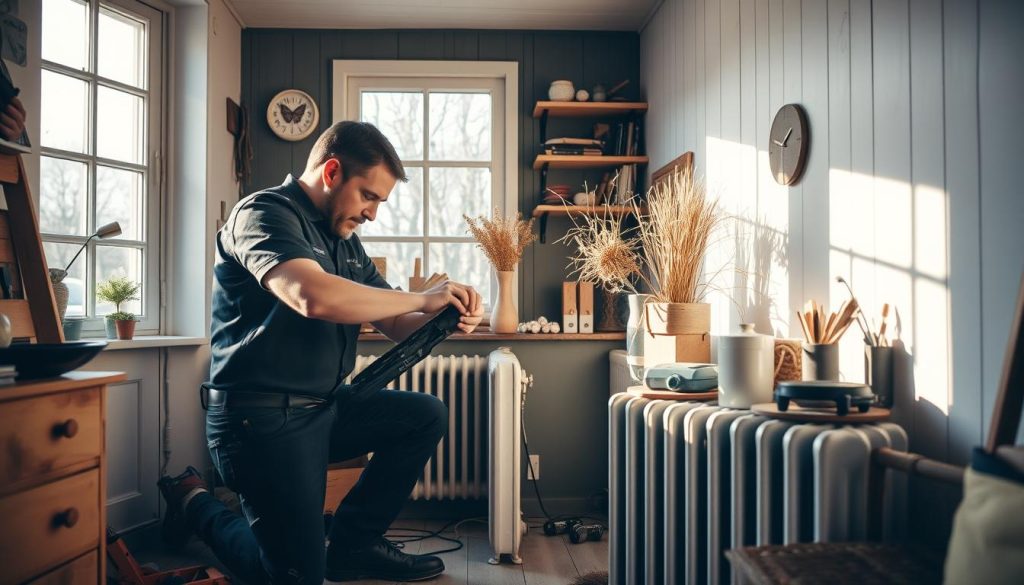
(276, 459)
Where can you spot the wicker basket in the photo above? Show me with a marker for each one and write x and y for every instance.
(787, 360)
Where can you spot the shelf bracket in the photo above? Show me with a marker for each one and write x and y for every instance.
(543, 227)
(544, 126)
(543, 181)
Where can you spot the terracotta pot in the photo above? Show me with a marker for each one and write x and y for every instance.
(125, 329)
(504, 315)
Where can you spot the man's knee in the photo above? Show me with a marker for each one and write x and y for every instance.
(437, 416)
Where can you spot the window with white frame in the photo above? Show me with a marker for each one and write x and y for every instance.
(100, 147)
(450, 132)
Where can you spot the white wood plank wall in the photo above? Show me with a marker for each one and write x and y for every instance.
(912, 189)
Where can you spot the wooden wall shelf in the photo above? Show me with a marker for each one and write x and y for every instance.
(568, 161)
(488, 336)
(543, 211)
(588, 109)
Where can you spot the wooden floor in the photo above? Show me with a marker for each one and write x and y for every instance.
(547, 560)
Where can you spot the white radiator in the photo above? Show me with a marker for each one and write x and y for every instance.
(504, 518)
(458, 470)
(690, 480)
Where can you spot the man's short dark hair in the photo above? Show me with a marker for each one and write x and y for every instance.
(360, 146)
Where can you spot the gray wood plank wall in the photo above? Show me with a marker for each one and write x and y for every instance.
(276, 59)
(912, 187)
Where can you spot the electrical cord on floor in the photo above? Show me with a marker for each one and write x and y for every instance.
(423, 534)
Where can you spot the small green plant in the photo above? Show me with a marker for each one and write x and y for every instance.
(117, 290)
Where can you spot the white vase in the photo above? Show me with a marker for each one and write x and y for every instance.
(561, 90)
(746, 368)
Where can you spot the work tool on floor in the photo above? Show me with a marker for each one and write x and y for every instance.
(130, 573)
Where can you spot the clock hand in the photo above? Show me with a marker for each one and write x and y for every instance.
(786, 137)
(777, 143)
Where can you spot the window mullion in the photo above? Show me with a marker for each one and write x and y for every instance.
(93, 132)
(425, 246)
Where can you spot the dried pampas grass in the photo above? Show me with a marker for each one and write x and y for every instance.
(664, 254)
(675, 234)
(502, 239)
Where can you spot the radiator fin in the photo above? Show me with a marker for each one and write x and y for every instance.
(458, 469)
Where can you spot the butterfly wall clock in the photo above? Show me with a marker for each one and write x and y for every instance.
(292, 114)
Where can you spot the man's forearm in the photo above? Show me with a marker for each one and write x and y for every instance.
(403, 326)
(342, 301)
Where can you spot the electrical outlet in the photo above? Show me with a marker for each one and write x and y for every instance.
(533, 471)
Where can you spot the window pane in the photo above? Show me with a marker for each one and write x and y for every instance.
(460, 126)
(66, 33)
(64, 119)
(402, 213)
(111, 261)
(401, 259)
(463, 263)
(457, 191)
(119, 125)
(122, 53)
(399, 115)
(62, 198)
(119, 198)
(58, 256)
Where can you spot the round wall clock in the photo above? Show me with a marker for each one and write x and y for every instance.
(787, 151)
(292, 114)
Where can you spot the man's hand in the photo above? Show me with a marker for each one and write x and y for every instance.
(12, 120)
(464, 297)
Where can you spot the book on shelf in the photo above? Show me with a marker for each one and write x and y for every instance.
(575, 142)
(572, 150)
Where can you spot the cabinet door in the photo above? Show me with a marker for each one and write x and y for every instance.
(132, 437)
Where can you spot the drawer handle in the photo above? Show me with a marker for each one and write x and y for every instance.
(67, 518)
(68, 428)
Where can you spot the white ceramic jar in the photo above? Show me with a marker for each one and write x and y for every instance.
(561, 90)
(746, 367)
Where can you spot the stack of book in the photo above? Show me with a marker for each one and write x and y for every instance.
(574, 146)
(7, 375)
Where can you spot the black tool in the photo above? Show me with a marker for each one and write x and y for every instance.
(584, 532)
(843, 394)
(554, 527)
(406, 354)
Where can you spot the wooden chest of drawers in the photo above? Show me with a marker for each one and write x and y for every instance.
(53, 479)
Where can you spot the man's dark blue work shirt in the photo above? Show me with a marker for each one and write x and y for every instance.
(258, 343)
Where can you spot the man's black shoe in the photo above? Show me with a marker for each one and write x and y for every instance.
(175, 531)
(382, 560)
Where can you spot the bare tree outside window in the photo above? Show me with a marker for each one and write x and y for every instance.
(423, 218)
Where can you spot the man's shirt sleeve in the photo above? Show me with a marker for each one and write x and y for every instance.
(371, 276)
(266, 232)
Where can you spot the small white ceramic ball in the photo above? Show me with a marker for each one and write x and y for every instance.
(545, 328)
(582, 95)
(534, 327)
(555, 327)
(542, 320)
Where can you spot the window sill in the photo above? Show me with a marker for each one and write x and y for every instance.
(486, 335)
(150, 341)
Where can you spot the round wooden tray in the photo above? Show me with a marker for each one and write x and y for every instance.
(800, 414)
(645, 392)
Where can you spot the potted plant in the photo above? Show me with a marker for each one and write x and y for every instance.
(664, 256)
(117, 290)
(503, 240)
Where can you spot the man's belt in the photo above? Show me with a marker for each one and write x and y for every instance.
(241, 399)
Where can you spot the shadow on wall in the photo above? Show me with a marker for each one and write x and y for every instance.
(759, 248)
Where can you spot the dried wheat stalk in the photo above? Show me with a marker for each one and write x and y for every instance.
(665, 254)
(502, 239)
(675, 234)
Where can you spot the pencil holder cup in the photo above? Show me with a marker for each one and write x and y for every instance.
(878, 373)
(820, 361)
